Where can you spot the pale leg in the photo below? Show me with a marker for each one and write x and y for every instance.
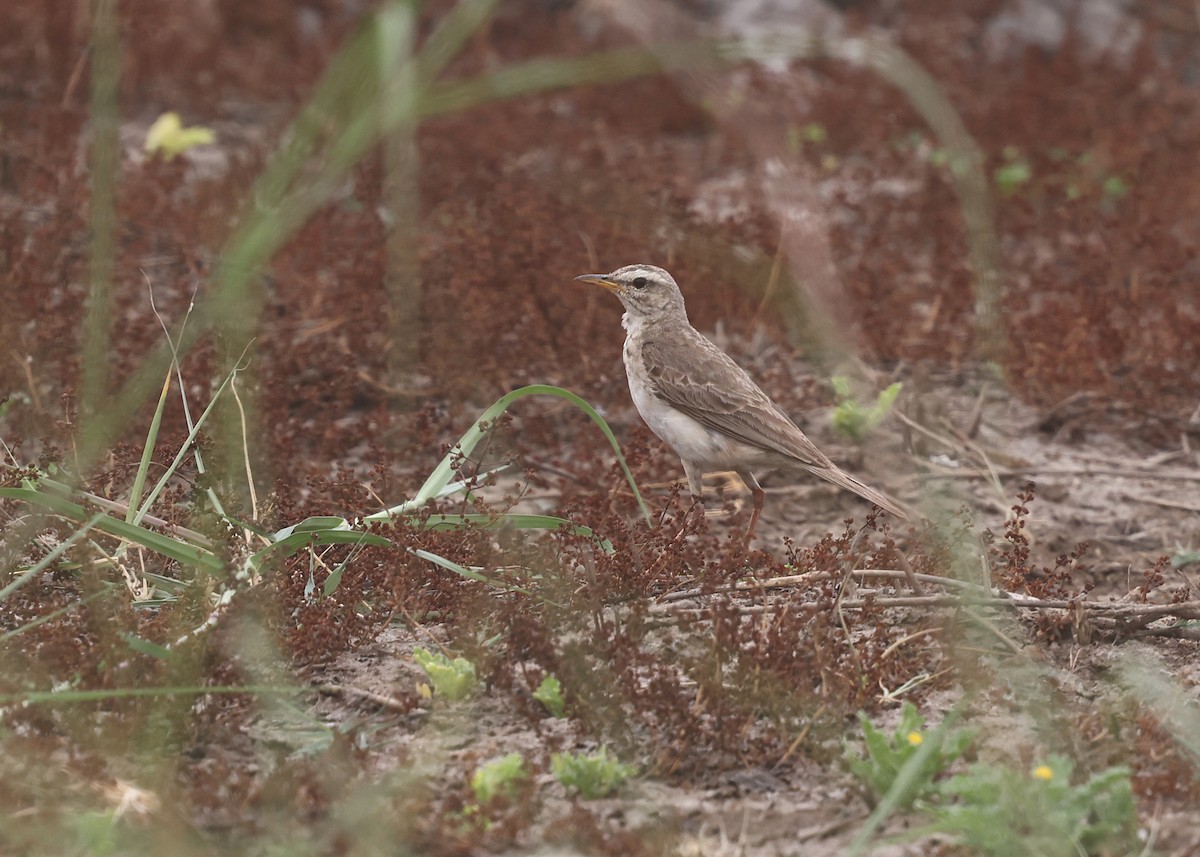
(695, 480)
(759, 496)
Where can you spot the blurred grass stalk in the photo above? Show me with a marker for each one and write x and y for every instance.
(966, 164)
(401, 191)
(1145, 677)
(103, 169)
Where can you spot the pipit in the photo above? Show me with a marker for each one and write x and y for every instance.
(702, 404)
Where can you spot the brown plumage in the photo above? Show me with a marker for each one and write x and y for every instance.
(701, 403)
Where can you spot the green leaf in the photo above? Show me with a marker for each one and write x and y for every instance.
(549, 694)
(883, 404)
(855, 420)
(498, 778)
(298, 540)
(139, 479)
(146, 647)
(468, 573)
(1012, 175)
(985, 805)
(452, 679)
(888, 755)
(96, 832)
(593, 775)
(1115, 188)
(404, 509)
(315, 524)
(920, 763)
(169, 547)
(334, 580)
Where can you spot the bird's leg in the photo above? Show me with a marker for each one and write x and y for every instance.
(759, 496)
(695, 480)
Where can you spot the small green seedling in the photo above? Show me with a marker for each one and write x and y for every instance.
(886, 755)
(1114, 188)
(499, 778)
(593, 775)
(168, 137)
(1014, 173)
(452, 679)
(496, 781)
(999, 811)
(549, 694)
(1184, 557)
(813, 133)
(856, 420)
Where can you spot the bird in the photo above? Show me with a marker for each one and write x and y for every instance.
(699, 402)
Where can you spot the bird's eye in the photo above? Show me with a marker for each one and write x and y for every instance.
(639, 282)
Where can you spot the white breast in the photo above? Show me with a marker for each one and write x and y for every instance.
(691, 441)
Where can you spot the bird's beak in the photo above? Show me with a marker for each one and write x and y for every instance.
(601, 280)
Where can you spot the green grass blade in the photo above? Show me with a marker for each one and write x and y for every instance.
(451, 34)
(539, 75)
(209, 491)
(314, 524)
(177, 550)
(146, 647)
(168, 584)
(299, 540)
(183, 449)
(132, 516)
(412, 505)
(104, 168)
(468, 573)
(511, 521)
(46, 561)
(441, 475)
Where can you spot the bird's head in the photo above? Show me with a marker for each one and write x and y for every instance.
(648, 293)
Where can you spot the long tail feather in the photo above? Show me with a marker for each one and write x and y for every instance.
(845, 480)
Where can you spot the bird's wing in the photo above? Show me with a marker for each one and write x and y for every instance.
(694, 376)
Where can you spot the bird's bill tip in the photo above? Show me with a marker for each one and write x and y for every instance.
(599, 280)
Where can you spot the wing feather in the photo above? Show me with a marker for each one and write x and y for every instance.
(700, 380)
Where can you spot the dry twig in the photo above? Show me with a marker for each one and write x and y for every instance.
(1122, 618)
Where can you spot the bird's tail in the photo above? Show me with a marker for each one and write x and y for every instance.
(845, 480)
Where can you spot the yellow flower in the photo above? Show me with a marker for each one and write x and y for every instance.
(168, 136)
(914, 738)
(1043, 772)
